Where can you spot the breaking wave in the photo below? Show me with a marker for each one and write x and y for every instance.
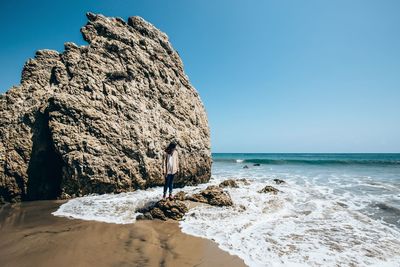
(312, 161)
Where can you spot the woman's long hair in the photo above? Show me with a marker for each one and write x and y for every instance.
(170, 148)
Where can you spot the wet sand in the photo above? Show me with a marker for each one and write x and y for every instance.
(31, 236)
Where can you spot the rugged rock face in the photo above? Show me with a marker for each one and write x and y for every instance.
(96, 118)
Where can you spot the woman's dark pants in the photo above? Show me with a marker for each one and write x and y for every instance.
(169, 179)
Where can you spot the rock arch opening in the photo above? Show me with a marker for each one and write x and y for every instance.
(45, 165)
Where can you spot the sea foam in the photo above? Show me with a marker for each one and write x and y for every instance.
(303, 225)
(113, 208)
(300, 226)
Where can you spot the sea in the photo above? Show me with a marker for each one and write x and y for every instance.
(332, 210)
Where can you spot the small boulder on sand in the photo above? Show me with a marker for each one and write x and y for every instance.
(269, 189)
(164, 209)
(212, 195)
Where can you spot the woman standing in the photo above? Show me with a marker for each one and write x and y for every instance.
(170, 168)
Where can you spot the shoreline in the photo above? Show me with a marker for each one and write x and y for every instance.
(32, 236)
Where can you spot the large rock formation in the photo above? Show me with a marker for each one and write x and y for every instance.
(96, 118)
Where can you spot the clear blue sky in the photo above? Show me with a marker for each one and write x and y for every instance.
(275, 76)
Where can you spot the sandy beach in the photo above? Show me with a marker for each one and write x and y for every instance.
(31, 236)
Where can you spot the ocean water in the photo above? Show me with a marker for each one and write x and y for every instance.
(333, 210)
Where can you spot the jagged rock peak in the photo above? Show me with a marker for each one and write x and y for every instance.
(96, 118)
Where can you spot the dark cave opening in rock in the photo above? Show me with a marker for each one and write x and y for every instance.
(45, 165)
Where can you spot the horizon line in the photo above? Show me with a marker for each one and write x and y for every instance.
(305, 152)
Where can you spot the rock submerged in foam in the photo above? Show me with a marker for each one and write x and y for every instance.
(269, 189)
(279, 181)
(229, 183)
(243, 180)
(212, 195)
(175, 209)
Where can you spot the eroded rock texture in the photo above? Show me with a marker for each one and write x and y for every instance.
(269, 189)
(96, 118)
(229, 183)
(212, 195)
(163, 210)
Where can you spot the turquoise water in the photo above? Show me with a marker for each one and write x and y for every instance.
(311, 158)
(369, 183)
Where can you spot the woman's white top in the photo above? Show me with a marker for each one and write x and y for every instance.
(170, 164)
